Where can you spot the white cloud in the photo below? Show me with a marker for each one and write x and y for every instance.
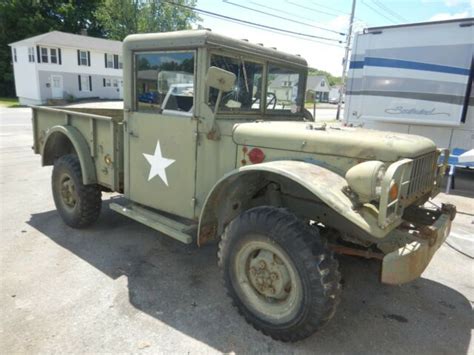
(447, 16)
(452, 3)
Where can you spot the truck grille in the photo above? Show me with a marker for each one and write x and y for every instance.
(422, 176)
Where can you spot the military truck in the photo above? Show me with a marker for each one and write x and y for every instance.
(223, 161)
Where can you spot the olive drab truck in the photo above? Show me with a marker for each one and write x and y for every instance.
(219, 148)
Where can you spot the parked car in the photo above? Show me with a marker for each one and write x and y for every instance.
(150, 97)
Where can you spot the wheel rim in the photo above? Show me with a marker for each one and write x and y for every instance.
(67, 190)
(267, 281)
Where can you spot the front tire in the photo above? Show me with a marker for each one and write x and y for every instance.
(78, 205)
(279, 273)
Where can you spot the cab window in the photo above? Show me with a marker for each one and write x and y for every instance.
(283, 89)
(247, 92)
(164, 82)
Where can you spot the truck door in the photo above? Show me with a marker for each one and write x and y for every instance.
(162, 132)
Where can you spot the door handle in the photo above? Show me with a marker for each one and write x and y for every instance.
(133, 134)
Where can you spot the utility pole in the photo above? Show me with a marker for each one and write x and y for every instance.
(346, 58)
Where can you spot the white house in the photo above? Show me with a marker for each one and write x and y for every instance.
(319, 85)
(284, 86)
(59, 65)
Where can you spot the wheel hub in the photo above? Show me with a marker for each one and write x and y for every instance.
(68, 191)
(269, 275)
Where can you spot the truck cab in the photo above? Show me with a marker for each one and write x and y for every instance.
(177, 122)
(214, 145)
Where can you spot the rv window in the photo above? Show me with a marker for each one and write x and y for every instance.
(164, 81)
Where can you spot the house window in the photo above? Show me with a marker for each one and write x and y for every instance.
(44, 55)
(85, 83)
(83, 58)
(14, 55)
(107, 82)
(53, 55)
(323, 84)
(115, 83)
(31, 54)
(109, 60)
(120, 62)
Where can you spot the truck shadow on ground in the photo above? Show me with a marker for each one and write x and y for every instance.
(181, 287)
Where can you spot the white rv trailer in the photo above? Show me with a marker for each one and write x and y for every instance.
(415, 78)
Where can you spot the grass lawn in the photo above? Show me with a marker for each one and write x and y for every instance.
(9, 102)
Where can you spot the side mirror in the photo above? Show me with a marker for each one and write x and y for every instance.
(223, 81)
(220, 79)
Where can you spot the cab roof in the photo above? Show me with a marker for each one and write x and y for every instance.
(206, 38)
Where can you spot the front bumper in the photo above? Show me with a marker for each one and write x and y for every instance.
(408, 262)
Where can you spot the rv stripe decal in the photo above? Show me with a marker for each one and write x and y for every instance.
(449, 99)
(357, 64)
(406, 64)
(386, 83)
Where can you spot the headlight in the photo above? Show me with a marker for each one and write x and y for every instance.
(365, 179)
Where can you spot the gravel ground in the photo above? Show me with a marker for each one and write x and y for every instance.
(119, 286)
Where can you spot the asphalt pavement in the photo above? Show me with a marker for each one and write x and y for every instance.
(119, 286)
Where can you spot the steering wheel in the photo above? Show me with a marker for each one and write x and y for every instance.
(272, 100)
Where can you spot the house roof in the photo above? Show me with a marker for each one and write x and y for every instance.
(63, 39)
(314, 82)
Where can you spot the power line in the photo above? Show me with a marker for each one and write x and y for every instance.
(329, 8)
(377, 11)
(285, 12)
(283, 18)
(315, 3)
(282, 34)
(311, 9)
(252, 23)
(280, 11)
(324, 12)
(388, 10)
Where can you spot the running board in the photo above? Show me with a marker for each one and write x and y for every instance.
(155, 220)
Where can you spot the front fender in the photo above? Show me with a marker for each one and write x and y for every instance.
(81, 148)
(317, 181)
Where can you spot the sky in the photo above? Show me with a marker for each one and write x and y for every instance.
(323, 19)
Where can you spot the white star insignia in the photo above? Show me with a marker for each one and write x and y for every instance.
(158, 164)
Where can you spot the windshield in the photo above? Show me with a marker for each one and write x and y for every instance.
(284, 89)
(248, 85)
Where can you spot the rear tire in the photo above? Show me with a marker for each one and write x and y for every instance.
(78, 205)
(279, 273)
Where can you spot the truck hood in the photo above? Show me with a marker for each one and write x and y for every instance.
(351, 142)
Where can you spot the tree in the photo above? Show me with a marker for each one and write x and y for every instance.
(123, 17)
(20, 19)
